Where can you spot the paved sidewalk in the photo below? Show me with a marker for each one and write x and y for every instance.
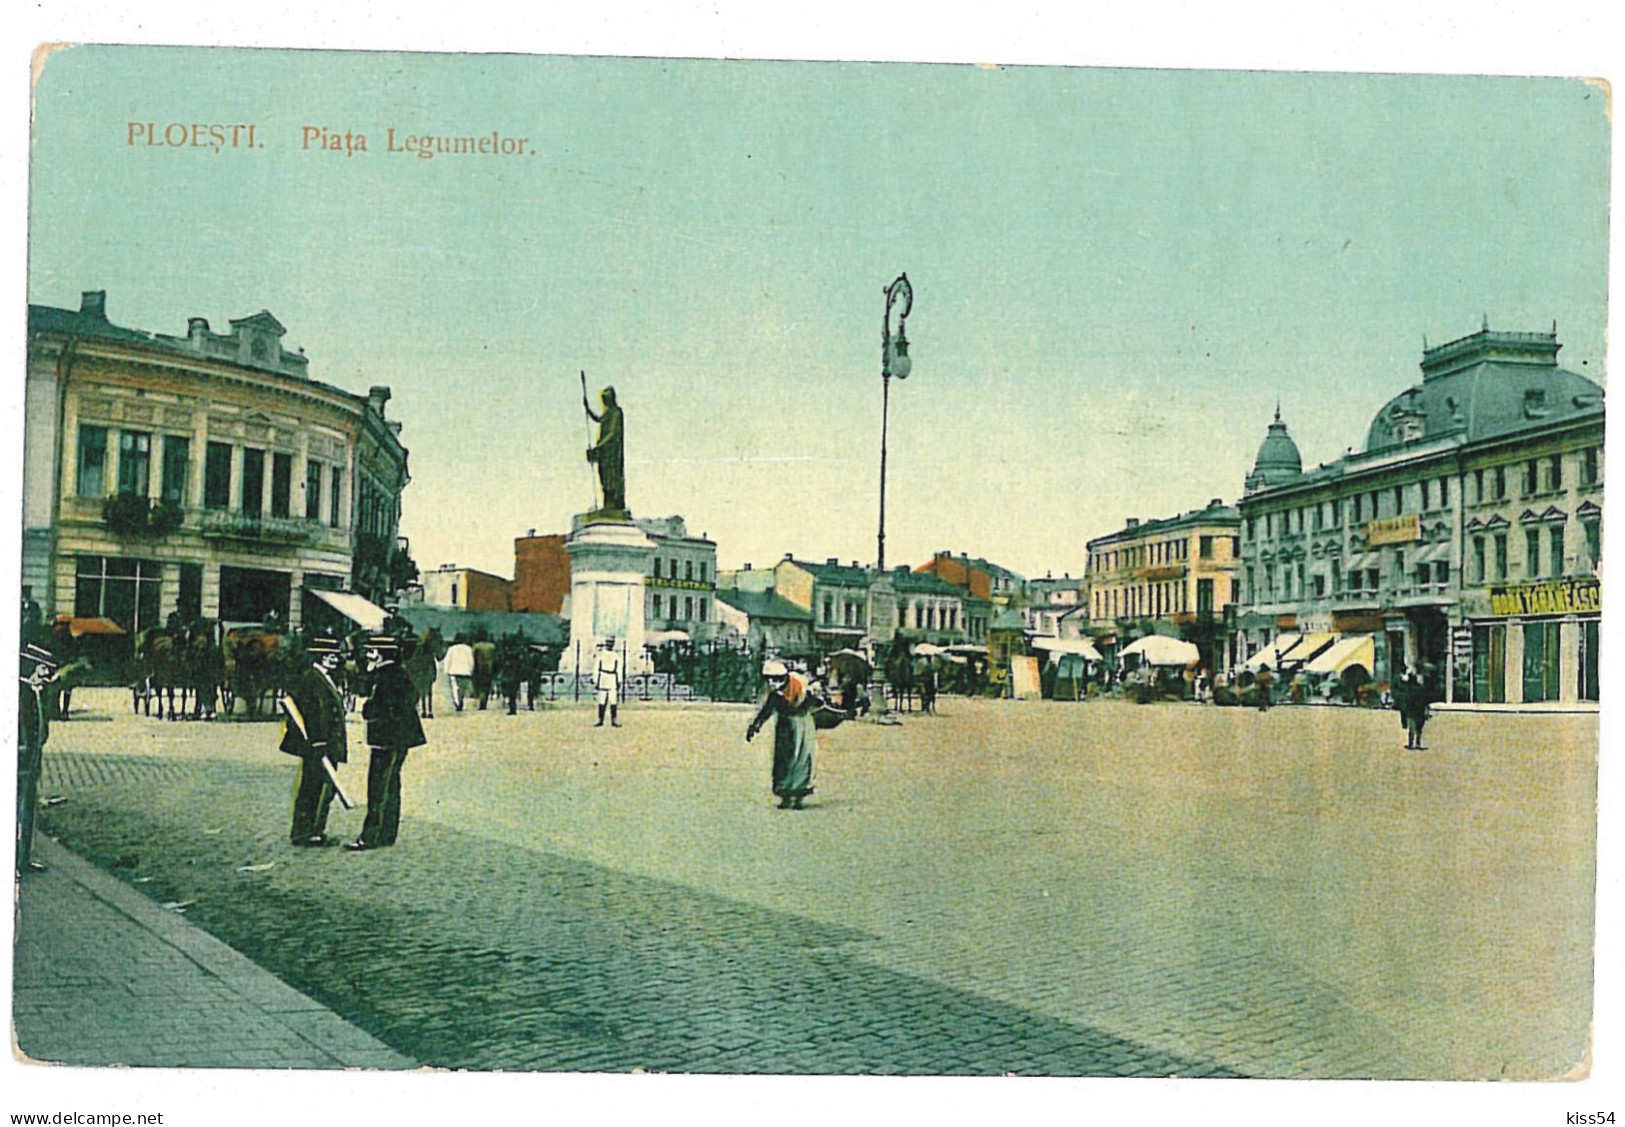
(104, 976)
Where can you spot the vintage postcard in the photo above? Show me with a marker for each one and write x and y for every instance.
(593, 565)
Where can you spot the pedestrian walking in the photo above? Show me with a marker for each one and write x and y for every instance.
(606, 679)
(35, 702)
(314, 732)
(1411, 699)
(795, 733)
(393, 729)
(459, 670)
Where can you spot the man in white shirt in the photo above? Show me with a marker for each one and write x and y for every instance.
(459, 671)
(606, 678)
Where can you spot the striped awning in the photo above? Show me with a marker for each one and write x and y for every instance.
(1356, 649)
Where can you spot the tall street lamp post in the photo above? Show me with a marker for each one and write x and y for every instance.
(894, 361)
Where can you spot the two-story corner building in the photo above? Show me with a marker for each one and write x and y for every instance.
(1049, 601)
(680, 587)
(206, 474)
(1171, 576)
(1465, 537)
(466, 588)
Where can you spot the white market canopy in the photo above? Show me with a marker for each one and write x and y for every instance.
(1154, 649)
(1270, 655)
(927, 649)
(1358, 649)
(364, 613)
(1058, 646)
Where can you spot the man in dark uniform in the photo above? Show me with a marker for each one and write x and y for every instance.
(34, 706)
(393, 729)
(314, 732)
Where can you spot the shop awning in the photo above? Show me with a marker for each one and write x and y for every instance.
(1058, 646)
(1270, 655)
(1357, 649)
(363, 612)
(1307, 647)
(79, 627)
(1158, 650)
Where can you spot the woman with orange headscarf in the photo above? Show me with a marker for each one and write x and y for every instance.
(795, 735)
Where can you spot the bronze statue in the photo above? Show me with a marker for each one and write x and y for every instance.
(608, 454)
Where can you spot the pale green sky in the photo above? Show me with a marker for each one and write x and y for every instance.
(1117, 272)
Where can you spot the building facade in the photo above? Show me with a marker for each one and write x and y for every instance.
(541, 573)
(988, 587)
(680, 588)
(466, 588)
(1465, 537)
(1049, 601)
(206, 475)
(1173, 576)
(765, 622)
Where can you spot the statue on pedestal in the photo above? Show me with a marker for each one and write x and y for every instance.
(608, 453)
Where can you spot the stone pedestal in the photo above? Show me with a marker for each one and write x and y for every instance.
(608, 561)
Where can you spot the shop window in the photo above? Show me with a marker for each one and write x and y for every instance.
(121, 589)
(1489, 664)
(1542, 658)
(1590, 642)
(177, 451)
(134, 462)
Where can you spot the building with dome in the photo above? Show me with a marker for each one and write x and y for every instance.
(1465, 538)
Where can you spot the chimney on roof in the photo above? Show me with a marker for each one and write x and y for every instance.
(833, 561)
(196, 327)
(377, 396)
(93, 303)
(747, 565)
(1132, 522)
(1216, 503)
(532, 532)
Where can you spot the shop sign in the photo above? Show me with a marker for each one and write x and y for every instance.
(1394, 530)
(1562, 596)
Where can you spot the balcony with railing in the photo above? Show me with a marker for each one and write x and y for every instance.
(228, 524)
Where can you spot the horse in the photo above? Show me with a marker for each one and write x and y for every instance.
(204, 668)
(899, 667)
(485, 653)
(422, 667)
(250, 666)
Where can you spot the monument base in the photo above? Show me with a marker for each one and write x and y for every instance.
(609, 557)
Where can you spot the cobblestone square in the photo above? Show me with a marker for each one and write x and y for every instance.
(1041, 888)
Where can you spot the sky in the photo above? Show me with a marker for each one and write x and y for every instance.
(1118, 273)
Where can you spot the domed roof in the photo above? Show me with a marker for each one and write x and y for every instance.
(1483, 386)
(1278, 459)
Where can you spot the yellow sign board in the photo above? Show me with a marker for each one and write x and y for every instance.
(1562, 596)
(1394, 530)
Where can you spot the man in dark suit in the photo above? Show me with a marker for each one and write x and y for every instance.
(314, 731)
(393, 729)
(35, 702)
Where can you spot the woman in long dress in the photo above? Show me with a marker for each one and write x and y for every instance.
(795, 735)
